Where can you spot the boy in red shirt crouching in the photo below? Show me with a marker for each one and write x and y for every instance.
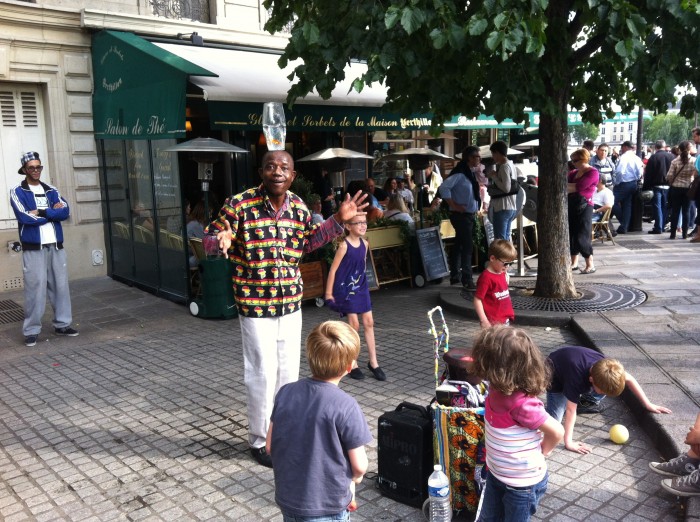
(492, 299)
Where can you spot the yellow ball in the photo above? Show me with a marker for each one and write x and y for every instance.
(619, 434)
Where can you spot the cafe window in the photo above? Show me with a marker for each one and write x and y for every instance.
(145, 215)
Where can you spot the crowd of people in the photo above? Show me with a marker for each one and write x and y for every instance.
(316, 448)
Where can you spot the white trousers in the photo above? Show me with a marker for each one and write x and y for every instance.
(271, 351)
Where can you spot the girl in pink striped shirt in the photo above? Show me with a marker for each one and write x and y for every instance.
(519, 432)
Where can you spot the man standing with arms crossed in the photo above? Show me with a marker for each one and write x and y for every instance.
(39, 209)
(626, 176)
(264, 231)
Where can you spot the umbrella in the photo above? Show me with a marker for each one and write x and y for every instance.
(205, 145)
(442, 136)
(204, 153)
(528, 144)
(333, 153)
(485, 152)
(418, 159)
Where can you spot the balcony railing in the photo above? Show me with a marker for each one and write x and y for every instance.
(193, 10)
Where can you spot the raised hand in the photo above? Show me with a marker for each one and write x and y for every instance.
(225, 238)
(351, 207)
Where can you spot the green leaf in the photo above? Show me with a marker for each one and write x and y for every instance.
(476, 26)
(501, 20)
(621, 49)
(456, 37)
(494, 40)
(311, 33)
(412, 19)
(391, 17)
(439, 38)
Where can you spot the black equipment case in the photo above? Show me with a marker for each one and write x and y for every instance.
(405, 453)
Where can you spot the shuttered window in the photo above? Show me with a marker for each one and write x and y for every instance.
(22, 129)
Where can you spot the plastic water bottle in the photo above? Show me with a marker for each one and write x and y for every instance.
(439, 491)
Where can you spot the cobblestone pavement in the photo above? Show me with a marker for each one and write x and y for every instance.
(142, 417)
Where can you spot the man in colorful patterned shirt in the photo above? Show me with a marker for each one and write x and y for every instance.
(264, 231)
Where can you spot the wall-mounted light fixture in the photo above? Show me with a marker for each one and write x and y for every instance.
(188, 126)
(195, 38)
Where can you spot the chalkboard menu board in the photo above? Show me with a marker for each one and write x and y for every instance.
(432, 253)
(371, 272)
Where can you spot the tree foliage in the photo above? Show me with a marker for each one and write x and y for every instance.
(672, 128)
(501, 57)
(587, 131)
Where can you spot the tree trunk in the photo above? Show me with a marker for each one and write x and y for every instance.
(554, 277)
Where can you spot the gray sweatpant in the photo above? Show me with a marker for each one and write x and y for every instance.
(45, 272)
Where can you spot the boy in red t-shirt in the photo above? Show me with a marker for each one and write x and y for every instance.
(492, 299)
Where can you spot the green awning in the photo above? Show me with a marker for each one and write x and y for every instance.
(247, 116)
(139, 88)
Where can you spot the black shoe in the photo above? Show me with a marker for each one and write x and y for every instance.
(613, 233)
(585, 406)
(68, 331)
(654, 232)
(469, 285)
(357, 374)
(621, 231)
(30, 340)
(454, 280)
(377, 372)
(261, 456)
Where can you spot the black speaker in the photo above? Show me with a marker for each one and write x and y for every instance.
(405, 453)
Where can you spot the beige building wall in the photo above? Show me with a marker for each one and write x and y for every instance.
(46, 45)
(46, 48)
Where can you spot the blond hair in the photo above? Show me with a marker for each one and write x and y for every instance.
(331, 347)
(502, 249)
(510, 360)
(608, 376)
(583, 154)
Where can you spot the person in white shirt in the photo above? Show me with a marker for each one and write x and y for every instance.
(603, 199)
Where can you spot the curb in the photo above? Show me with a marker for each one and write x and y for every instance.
(662, 440)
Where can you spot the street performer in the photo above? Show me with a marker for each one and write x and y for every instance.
(264, 231)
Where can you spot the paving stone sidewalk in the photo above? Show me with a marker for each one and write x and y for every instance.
(142, 417)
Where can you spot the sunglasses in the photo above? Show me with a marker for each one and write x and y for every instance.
(506, 263)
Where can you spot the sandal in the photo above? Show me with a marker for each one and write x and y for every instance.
(588, 270)
(574, 268)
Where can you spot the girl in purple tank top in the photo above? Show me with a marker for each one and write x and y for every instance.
(347, 291)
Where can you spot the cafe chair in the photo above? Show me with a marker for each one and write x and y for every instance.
(602, 228)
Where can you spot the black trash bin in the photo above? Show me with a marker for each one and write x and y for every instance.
(637, 213)
(216, 299)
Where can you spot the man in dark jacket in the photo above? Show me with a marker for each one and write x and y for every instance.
(655, 180)
(39, 209)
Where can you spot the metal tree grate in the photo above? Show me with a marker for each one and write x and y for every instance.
(10, 312)
(593, 297)
(637, 244)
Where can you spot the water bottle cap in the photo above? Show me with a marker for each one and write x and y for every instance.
(437, 467)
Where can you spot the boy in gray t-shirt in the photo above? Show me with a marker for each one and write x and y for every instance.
(318, 433)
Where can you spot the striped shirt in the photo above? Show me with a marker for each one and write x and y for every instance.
(513, 442)
(266, 248)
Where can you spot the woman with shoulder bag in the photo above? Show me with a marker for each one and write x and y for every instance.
(679, 177)
(581, 185)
